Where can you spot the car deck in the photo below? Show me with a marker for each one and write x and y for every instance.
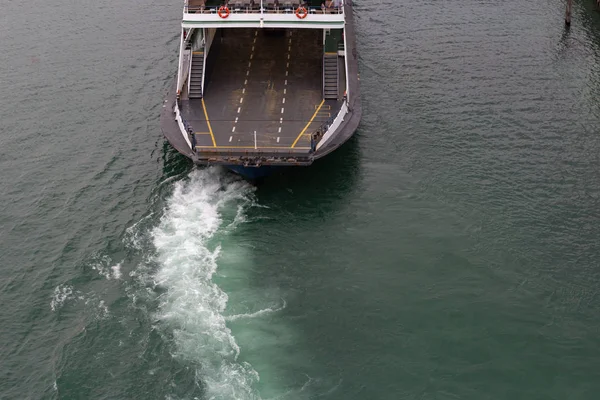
(264, 93)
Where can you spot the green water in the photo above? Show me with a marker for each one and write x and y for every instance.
(449, 251)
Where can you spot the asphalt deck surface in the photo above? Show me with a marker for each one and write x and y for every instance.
(265, 91)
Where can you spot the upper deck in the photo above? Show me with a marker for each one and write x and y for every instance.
(324, 14)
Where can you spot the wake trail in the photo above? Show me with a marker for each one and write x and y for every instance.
(199, 214)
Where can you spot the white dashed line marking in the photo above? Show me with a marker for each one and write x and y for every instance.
(253, 49)
(282, 109)
(279, 129)
(239, 108)
(251, 55)
(284, 100)
(281, 120)
(284, 91)
(233, 129)
(247, 73)
(288, 65)
(236, 120)
(286, 81)
(289, 48)
(230, 139)
(286, 73)
(243, 90)
(241, 100)
(277, 139)
(289, 55)
(249, 64)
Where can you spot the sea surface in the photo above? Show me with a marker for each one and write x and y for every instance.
(450, 250)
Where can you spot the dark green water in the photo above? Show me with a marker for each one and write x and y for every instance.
(449, 251)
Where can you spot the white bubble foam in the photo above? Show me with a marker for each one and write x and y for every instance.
(65, 293)
(256, 313)
(135, 236)
(61, 294)
(192, 306)
(100, 265)
(116, 271)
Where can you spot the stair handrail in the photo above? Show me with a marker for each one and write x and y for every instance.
(189, 79)
(323, 78)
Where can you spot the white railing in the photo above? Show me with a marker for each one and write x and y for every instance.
(180, 62)
(182, 125)
(335, 124)
(260, 7)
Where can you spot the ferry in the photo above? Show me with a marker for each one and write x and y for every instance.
(263, 84)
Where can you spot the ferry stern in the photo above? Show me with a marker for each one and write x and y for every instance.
(263, 84)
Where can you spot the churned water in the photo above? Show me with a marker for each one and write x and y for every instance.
(449, 251)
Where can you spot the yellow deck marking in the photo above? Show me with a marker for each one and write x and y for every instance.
(212, 136)
(250, 147)
(307, 125)
(198, 52)
(325, 107)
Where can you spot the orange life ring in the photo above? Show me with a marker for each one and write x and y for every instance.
(301, 12)
(223, 12)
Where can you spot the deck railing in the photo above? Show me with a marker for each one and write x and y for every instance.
(260, 7)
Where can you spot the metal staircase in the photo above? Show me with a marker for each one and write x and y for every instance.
(196, 75)
(330, 76)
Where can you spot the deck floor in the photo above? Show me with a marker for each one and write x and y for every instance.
(265, 92)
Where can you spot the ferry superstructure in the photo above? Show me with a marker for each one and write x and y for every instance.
(263, 83)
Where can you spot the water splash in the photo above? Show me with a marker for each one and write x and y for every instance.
(102, 265)
(61, 294)
(65, 294)
(200, 212)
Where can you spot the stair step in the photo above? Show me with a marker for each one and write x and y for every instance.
(196, 76)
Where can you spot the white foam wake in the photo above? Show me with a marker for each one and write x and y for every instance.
(199, 214)
(61, 294)
(255, 314)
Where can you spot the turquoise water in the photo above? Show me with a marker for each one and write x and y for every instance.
(449, 250)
